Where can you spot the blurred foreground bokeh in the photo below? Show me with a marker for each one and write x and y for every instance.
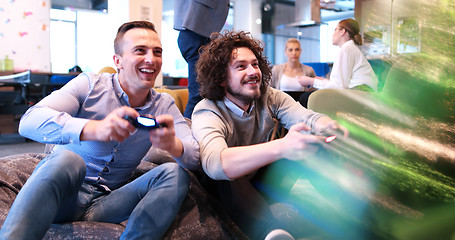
(394, 177)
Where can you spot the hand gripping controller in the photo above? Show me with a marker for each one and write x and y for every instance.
(144, 122)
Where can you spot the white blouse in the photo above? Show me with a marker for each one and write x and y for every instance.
(290, 84)
(350, 69)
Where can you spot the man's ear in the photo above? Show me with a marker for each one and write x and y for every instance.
(117, 61)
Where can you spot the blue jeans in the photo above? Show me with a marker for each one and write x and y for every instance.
(189, 43)
(56, 192)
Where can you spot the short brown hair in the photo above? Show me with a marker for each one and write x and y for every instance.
(128, 26)
(212, 67)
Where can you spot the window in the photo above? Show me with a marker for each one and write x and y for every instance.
(80, 37)
(328, 50)
(63, 40)
(85, 38)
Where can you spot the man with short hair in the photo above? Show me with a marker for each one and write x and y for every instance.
(235, 121)
(86, 178)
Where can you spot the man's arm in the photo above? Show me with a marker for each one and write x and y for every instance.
(221, 162)
(325, 123)
(241, 161)
(180, 142)
(164, 138)
(51, 120)
(113, 127)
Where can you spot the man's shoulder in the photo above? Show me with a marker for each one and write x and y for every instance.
(162, 97)
(93, 77)
(274, 99)
(273, 94)
(206, 105)
(209, 112)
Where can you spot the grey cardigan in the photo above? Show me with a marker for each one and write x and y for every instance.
(216, 127)
(200, 16)
(277, 72)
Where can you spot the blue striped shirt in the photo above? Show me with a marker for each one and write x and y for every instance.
(60, 117)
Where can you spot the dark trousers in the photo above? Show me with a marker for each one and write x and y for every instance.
(247, 207)
(189, 43)
(248, 201)
(303, 99)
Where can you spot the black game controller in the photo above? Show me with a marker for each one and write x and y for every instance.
(331, 134)
(143, 122)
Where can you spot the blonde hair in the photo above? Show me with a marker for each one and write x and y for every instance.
(292, 40)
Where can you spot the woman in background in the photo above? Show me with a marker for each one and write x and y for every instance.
(351, 69)
(286, 76)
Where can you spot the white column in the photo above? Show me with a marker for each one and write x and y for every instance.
(246, 12)
(132, 10)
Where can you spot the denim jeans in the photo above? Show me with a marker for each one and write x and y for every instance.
(56, 192)
(189, 43)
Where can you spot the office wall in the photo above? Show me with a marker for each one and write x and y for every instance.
(24, 34)
(383, 22)
(150, 10)
(25, 38)
(246, 12)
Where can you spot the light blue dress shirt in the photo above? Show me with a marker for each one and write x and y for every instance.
(60, 117)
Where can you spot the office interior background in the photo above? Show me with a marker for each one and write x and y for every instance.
(55, 35)
(51, 36)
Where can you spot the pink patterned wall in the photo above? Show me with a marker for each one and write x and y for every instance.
(24, 34)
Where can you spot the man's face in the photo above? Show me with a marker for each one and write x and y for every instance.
(244, 78)
(140, 61)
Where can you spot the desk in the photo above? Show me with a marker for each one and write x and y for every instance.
(13, 98)
(17, 96)
(18, 93)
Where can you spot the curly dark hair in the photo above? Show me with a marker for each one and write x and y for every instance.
(212, 67)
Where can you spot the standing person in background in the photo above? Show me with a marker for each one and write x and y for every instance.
(196, 20)
(285, 76)
(351, 69)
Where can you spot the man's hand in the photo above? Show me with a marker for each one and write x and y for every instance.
(297, 145)
(164, 137)
(112, 128)
(331, 127)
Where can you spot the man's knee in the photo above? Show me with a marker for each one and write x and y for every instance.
(64, 163)
(174, 170)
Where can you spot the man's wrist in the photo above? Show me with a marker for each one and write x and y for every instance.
(88, 131)
(177, 149)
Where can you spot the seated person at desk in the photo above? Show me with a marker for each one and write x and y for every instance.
(284, 76)
(234, 122)
(86, 177)
(351, 69)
